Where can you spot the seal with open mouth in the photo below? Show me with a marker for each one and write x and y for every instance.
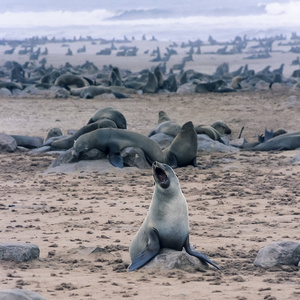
(166, 224)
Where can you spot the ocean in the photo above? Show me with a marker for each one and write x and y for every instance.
(166, 21)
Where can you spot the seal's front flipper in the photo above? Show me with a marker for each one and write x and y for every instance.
(148, 253)
(116, 160)
(201, 256)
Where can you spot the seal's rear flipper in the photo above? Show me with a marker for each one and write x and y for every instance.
(150, 252)
(116, 160)
(201, 256)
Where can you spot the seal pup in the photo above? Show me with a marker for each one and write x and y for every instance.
(183, 149)
(166, 224)
(113, 140)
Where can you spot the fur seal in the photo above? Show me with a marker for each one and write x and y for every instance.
(168, 127)
(162, 117)
(183, 149)
(287, 141)
(28, 141)
(221, 127)
(68, 142)
(53, 132)
(89, 92)
(159, 76)
(236, 82)
(152, 85)
(209, 86)
(66, 80)
(165, 125)
(11, 86)
(166, 224)
(209, 131)
(112, 140)
(112, 114)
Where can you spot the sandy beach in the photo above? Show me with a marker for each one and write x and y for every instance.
(238, 202)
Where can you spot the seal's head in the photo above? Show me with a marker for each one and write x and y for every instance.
(120, 120)
(80, 145)
(164, 176)
(188, 127)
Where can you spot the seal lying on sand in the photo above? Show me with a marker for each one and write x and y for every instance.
(67, 80)
(111, 141)
(209, 86)
(68, 142)
(287, 141)
(209, 131)
(166, 224)
(112, 114)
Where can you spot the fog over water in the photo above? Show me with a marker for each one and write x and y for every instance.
(168, 20)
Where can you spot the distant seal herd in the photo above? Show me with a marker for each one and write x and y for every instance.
(88, 81)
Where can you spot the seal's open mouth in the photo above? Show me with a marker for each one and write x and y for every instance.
(160, 175)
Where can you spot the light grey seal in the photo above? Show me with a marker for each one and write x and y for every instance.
(112, 141)
(166, 224)
(183, 149)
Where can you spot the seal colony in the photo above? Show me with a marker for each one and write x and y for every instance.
(166, 224)
(89, 80)
(106, 134)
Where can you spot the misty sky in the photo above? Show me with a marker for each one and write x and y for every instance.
(178, 19)
(186, 6)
